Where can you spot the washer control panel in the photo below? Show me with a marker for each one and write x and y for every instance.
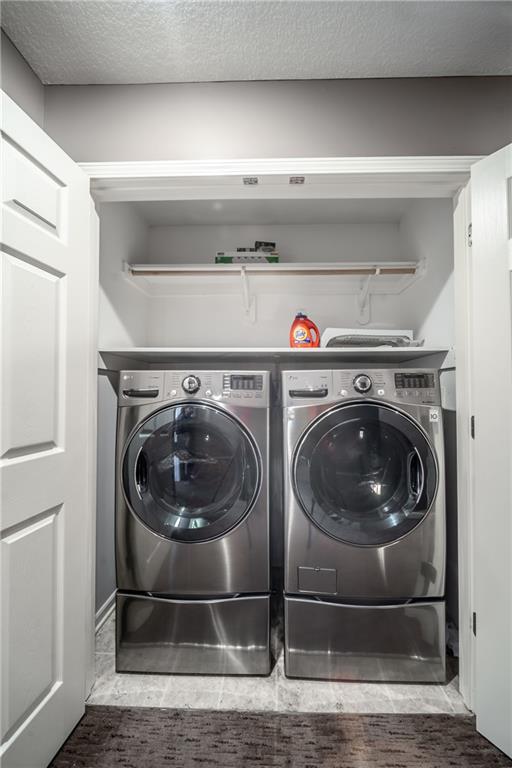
(362, 383)
(191, 384)
(244, 382)
(408, 386)
(249, 389)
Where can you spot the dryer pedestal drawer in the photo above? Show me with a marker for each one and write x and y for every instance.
(213, 637)
(394, 643)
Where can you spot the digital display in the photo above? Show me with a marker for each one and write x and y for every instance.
(415, 380)
(238, 381)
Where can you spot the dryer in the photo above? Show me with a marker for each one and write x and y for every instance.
(364, 525)
(192, 527)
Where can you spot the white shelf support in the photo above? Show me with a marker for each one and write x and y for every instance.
(249, 302)
(363, 299)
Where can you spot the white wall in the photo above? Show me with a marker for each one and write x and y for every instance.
(213, 315)
(411, 116)
(122, 306)
(426, 233)
(211, 312)
(294, 242)
(20, 82)
(122, 321)
(105, 489)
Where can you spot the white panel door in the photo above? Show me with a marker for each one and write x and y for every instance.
(46, 339)
(491, 194)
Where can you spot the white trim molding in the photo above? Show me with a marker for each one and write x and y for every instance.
(463, 271)
(324, 177)
(282, 166)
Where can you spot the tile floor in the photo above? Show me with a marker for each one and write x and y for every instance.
(275, 693)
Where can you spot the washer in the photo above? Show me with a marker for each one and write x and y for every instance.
(364, 525)
(192, 523)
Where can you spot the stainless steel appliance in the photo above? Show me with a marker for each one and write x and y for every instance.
(364, 525)
(192, 527)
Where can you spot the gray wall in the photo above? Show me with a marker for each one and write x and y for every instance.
(20, 82)
(439, 116)
(411, 116)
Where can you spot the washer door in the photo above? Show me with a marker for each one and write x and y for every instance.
(365, 474)
(191, 472)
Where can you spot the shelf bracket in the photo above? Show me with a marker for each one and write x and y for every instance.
(363, 299)
(249, 302)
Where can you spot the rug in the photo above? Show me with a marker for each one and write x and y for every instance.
(126, 737)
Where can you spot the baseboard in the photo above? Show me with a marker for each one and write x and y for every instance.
(103, 613)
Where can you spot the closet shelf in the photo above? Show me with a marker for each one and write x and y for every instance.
(369, 355)
(362, 279)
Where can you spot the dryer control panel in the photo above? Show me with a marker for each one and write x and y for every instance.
(249, 389)
(408, 386)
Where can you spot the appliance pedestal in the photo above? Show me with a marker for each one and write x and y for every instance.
(387, 643)
(226, 636)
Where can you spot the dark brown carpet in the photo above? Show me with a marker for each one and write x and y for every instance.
(122, 737)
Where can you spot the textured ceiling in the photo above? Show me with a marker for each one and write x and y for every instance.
(182, 212)
(212, 40)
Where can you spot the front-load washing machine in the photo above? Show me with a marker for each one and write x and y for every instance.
(192, 524)
(364, 525)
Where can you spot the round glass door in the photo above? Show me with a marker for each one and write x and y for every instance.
(365, 474)
(191, 472)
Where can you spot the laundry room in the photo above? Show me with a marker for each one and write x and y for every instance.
(369, 265)
(255, 292)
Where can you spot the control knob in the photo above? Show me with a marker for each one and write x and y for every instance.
(362, 383)
(191, 384)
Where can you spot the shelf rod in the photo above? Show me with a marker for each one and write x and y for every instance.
(137, 271)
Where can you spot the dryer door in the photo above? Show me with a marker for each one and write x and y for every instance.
(365, 474)
(191, 472)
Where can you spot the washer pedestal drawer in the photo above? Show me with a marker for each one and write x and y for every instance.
(228, 636)
(393, 643)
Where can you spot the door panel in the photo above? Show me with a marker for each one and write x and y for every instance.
(45, 452)
(32, 343)
(492, 365)
(31, 189)
(31, 561)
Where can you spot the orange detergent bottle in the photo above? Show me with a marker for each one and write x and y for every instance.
(304, 333)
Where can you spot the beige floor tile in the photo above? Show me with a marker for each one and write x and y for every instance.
(454, 697)
(104, 676)
(106, 639)
(256, 701)
(249, 693)
(125, 683)
(362, 697)
(181, 699)
(427, 699)
(135, 698)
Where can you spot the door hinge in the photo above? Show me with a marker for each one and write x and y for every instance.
(473, 623)
(470, 235)
(473, 427)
